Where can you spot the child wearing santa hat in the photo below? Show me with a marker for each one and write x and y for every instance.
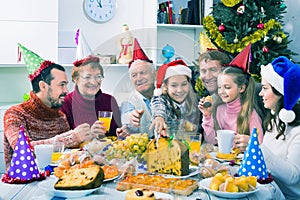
(281, 145)
(173, 98)
(234, 108)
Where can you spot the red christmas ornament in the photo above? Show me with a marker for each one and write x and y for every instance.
(260, 26)
(222, 28)
(265, 49)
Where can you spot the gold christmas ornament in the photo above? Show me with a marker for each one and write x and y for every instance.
(230, 3)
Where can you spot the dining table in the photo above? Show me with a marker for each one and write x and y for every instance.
(108, 191)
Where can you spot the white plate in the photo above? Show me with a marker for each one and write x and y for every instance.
(214, 156)
(159, 195)
(204, 183)
(48, 186)
(111, 179)
(193, 170)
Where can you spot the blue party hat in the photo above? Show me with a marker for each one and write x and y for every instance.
(253, 163)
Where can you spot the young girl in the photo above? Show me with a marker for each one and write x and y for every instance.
(282, 139)
(234, 108)
(173, 98)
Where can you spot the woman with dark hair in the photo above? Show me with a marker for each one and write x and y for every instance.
(281, 144)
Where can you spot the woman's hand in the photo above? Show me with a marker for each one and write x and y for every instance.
(122, 132)
(241, 141)
(98, 129)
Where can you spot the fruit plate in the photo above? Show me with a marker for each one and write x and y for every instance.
(204, 183)
(48, 186)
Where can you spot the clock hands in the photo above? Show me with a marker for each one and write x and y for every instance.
(99, 3)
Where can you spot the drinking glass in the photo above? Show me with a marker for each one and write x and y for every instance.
(105, 116)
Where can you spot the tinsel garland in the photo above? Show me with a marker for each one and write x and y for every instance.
(230, 3)
(213, 32)
(199, 87)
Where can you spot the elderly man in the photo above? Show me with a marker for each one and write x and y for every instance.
(135, 112)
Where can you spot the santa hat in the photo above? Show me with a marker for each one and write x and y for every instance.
(35, 64)
(23, 168)
(253, 163)
(243, 59)
(83, 49)
(284, 76)
(138, 53)
(177, 67)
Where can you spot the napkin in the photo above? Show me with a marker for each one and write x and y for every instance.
(253, 163)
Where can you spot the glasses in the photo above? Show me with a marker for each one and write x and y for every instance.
(98, 78)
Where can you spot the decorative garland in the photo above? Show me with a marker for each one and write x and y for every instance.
(199, 87)
(211, 28)
(230, 3)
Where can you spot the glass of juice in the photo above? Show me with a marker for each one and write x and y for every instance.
(57, 153)
(105, 117)
(194, 141)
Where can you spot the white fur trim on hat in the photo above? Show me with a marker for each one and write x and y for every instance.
(268, 73)
(157, 92)
(286, 115)
(178, 70)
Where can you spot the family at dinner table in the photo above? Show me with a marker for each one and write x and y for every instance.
(239, 103)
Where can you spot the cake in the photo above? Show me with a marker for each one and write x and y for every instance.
(168, 157)
(140, 194)
(80, 177)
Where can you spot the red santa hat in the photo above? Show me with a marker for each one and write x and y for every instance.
(243, 59)
(138, 53)
(284, 76)
(177, 67)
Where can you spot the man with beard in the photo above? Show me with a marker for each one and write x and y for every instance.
(136, 112)
(40, 116)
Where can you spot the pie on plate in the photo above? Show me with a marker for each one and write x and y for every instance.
(48, 186)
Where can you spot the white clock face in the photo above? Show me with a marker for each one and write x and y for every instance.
(99, 10)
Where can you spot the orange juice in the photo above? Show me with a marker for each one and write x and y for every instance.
(106, 121)
(56, 156)
(195, 146)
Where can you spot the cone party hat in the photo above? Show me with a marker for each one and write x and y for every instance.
(138, 53)
(23, 167)
(34, 63)
(243, 59)
(83, 49)
(253, 163)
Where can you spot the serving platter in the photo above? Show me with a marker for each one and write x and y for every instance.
(204, 183)
(48, 186)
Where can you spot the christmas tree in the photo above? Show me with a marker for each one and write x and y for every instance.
(233, 24)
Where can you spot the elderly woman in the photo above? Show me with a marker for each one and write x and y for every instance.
(82, 105)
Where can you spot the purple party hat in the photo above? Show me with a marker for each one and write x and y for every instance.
(23, 165)
(253, 163)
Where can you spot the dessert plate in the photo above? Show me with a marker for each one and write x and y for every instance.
(48, 186)
(204, 183)
(111, 179)
(193, 170)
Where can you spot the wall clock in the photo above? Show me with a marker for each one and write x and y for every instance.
(99, 11)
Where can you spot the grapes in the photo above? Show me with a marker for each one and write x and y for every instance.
(133, 146)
